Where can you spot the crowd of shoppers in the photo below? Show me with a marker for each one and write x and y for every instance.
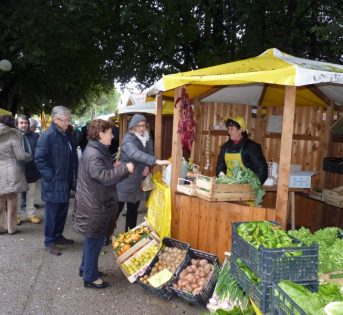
(49, 162)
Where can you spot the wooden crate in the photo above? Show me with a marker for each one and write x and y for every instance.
(187, 189)
(333, 277)
(334, 196)
(207, 189)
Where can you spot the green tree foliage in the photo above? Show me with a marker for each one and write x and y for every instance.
(103, 104)
(67, 51)
(56, 51)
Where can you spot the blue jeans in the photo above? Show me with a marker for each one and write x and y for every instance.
(55, 219)
(90, 257)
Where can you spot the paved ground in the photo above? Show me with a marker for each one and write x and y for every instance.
(33, 282)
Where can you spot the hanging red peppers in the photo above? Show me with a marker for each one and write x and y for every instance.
(186, 127)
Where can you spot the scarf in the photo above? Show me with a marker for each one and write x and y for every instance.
(144, 139)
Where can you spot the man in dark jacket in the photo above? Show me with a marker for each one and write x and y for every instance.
(31, 173)
(55, 159)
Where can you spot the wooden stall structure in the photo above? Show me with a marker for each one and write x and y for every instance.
(159, 115)
(307, 94)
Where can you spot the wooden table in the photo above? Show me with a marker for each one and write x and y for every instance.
(291, 200)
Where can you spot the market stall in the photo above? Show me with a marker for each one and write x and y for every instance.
(272, 83)
(159, 115)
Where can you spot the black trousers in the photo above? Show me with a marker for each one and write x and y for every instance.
(131, 214)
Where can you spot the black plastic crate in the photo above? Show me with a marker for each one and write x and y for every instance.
(333, 164)
(165, 290)
(203, 297)
(282, 304)
(275, 264)
(261, 293)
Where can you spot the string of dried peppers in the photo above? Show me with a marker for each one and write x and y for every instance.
(186, 127)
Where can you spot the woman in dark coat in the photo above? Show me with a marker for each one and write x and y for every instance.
(240, 149)
(136, 148)
(96, 201)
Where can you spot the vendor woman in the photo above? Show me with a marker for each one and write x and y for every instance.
(240, 149)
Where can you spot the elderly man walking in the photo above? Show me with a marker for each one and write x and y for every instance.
(56, 160)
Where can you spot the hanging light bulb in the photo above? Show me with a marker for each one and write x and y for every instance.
(5, 65)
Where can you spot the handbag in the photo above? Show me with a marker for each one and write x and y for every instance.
(148, 183)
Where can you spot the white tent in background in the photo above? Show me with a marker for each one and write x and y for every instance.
(147, 107)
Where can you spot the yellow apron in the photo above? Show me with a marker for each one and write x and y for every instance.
(231, 160)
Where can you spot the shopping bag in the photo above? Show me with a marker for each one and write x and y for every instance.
(159, 207)
(148, 183)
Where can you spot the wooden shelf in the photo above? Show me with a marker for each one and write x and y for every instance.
(295, 137)
(215, 132)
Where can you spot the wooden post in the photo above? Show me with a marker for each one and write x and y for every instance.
(122, 127)
(176, 149)
(285, 155)
(259, 131)
(325, 149)
(158, 127)
(196, 103)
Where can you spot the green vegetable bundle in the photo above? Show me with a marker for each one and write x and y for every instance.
(265, 233)
(311, 303)
(242, 175)
(330, 246)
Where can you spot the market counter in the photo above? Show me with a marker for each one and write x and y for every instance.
(207, 225)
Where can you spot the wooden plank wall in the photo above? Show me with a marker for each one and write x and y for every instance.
(207, 225)
(308, 130)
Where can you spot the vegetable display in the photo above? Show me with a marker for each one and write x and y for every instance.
(170, 259)
(312, 303)
(265, 233)
(242, 175)
(136, 263)
(194, 278)
(227, 293)
(125, 241)
(330, 246)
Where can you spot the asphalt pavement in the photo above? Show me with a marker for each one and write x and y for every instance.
(34, 282)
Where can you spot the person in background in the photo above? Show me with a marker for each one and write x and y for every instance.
(83, 139)
(31, 173)
(113, 148)
(54, 157)
(240, 149)
(73, 139)
(39, 201)
(136, 148)
(12, 176)
(96, 200)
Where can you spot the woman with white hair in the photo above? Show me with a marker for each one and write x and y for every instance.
(136, 148)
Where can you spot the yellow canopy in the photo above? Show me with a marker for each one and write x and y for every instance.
(4, 112)
(265, 75)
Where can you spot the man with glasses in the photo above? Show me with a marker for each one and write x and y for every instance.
(56, 160)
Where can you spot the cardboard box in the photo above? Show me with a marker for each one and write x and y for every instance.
(300, 179)
(334, 196)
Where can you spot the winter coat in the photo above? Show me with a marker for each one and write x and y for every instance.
(252, 157)
(12, 160)
(132, 150)
(96, 200)
(55, 158)
(30, 142)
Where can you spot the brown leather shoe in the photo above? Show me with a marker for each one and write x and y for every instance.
(64, 241)
(34, 219)
(53, 250)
